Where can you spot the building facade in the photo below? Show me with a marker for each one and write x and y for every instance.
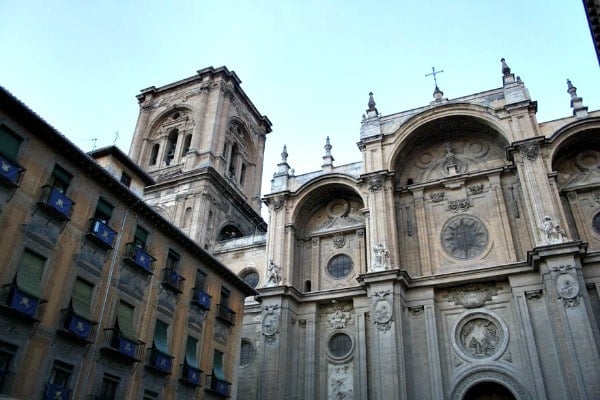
(101, 297)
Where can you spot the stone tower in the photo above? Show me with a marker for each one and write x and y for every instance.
(203, 141)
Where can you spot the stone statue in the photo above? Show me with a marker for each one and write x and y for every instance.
(380, 257)
(552, 233)
(273, 274)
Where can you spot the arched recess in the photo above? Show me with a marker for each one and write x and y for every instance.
(576, 159)
(488, 374)
(167, 137)
(329, 222)
(239, 153)
(229, 231)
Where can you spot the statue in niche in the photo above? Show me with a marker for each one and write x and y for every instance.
(380, 258)
(273, 274)
(552, 233)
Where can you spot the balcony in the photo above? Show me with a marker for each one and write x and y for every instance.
(159, 362)
(55, 392)
(225, 314)
(77, 328)
(101, 233)
(137, 257)
(115, 345)
(10, 173)
(201, 299)
(218, 386)
(21, 305)
(172, 280)
(56, 203)
(191, 376)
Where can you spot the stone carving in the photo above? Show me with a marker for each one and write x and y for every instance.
(381, 256)
(464, 237)
(337, 318)
(514, 204)
(340, 383)
(340, 214)
(567, 286)
(339, 240)
(530, 151)
(480, 336)
(473, 295)
(489, 375)
(533, 294)
(382, 309)
(595, 196)
(409, 222)
(436, 197)
(270, 322)
(476, 189)
(459, 206)
(375, 183)
(416, 311)
(273, 274)
(278, 203)
(552, 233)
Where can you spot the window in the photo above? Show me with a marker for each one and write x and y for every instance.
(160, 360)
(154, 154)
(172, 260)
(7, 353)
(200, 280)
(149, 395)
(160, 336)
(125, 320)
(218, 365)
(307, 285)
(60, 179)
(242, 174)
(339, 345)
(108, 390)
(103, 211)
(81, 300)
(247, 353)
(200, 297)
(9, 143)
(125, 179)
(251, 278)
(61, 373)
(171, 144)
(186, 145)
(339, 266)
(29, 274)
(229, 232)
(187, 217)
(191, 369)
(225, 296)
(141, 237)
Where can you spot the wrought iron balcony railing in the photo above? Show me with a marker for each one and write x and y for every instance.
(218, 386)
(159, 362)
(138, 257)
(20, 304)
(101, 233)
(116, 345)
(190, 375)
(172, 280)
(78, 328)
(56, 203)
(225, 314)
(10, 172)
(56, 392)
(201, 299)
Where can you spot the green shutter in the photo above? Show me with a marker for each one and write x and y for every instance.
(200, 280)
(82, 298)
(218, 365)
(190, 352)
(9, 143)
(29, 275)
(141, 236)
(104, 208)
(125, 320)
(160, 337)
(61, 174)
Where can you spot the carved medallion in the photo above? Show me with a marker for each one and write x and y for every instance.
(375, 183)
(464, 237)
(530, 151)
(339, 240)
(436, 197)
(480, 336)
(568, 289)
(459, 206)
(382, 309)
(337, 317)
(270, 322)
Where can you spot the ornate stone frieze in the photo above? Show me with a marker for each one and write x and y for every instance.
(436, 197)
(375, 183)
(382, 309)
(464, 237)
(273, 274)
(530, 151)
(339, 240)
(270, 321)
(476, 189)
(337, 317)
(459, 206)
(567, 286)
(550, 232)
(473, 295)
(381, 257)
(340, 385)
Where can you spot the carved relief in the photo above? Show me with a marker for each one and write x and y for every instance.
(476, 189)
(551, 233)
(464, 237)
(595, 196)
(340, 385)
(338, 214)
(270, 322)
(514, 205)
(471, 296)
(530, 151)
(381, 256)
(459, 206)
(436, 197)
(337, 317)
(567, 286)
(278, 203)
(382, 309)
(339, 240)
(273, 274)
(409, 222)
(375, 183)
(480, 336)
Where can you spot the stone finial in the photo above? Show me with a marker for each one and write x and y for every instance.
(284, 154)
(579, 110)
(505, 67)
(438, 95)
(327, 158)
(372, 111)
(327, 146)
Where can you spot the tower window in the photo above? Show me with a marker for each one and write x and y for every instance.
(154, 154)
(186, 144)
(171, 145)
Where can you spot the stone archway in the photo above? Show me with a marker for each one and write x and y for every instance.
(488, 391)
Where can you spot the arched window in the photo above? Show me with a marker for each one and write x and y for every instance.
(235, 154)
(251, 277)
(154, 154)
(242, 174)
(171, 144)
(186, 145)
(187, 217)
(229, 232)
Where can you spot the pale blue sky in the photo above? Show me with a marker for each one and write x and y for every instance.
(307, 65)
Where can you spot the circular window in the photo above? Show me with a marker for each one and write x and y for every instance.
(251, 278)
(596, 223)
(464, 237)
(247, 353)
(339, 266)
(340, 345)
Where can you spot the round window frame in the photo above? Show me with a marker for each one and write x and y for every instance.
(249, 271)
(480, 252)
(247, 341)
(339, 255)
(350, 351)
(480, 314)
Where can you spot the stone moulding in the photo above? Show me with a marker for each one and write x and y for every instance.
(489, 374)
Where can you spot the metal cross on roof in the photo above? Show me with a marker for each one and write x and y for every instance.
(434, 73)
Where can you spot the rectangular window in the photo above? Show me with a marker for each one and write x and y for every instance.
(160, 337)
(7, 353)
(225, 297)
(218, 365)
(61, 373)
(29, 274)
(150, 395)
(108, 390)
(103, 211)
(191, 351)
(172, 260)
(200, 280)
(81, 301)
(60, 179)
(125, 179)
(9, 143)
(125, 320)
(140, 238)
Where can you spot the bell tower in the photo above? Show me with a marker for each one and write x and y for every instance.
(203, 141)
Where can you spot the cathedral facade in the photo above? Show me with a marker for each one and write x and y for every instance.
(458, 259)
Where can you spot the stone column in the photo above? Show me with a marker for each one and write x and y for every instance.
(421, 223)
